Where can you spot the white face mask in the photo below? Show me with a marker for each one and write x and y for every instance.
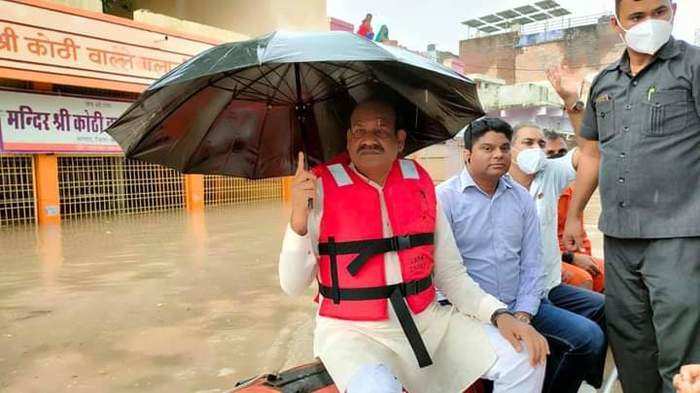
(647, 37)
(531, 161)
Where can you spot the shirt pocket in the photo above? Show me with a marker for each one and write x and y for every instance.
(512, 233)
(605, 120)
(666, 113)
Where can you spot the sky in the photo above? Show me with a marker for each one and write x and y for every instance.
(417, 23)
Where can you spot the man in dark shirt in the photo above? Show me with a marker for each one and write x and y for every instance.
(641, 134)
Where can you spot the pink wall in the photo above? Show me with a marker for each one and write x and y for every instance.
(341, 25)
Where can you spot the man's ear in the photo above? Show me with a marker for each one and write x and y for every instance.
(466, 154)
(616, 26)
(401, 138)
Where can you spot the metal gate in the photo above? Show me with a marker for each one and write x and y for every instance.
(223, 190)
(91, 186)
(17, 199)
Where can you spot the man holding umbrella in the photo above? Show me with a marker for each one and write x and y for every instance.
(376, 236)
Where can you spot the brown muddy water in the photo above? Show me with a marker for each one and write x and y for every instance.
(166, 302)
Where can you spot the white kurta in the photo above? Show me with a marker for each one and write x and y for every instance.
(454, 336)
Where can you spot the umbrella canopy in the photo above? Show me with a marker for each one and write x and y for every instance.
(246, 108)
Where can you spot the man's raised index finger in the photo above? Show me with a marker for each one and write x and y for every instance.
(300, 163)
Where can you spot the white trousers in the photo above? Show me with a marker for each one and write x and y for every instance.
(511, 373)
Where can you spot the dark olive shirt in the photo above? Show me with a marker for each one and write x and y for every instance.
(648, 128)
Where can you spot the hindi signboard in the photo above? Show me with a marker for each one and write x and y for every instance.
(34, 122)
(60, 43)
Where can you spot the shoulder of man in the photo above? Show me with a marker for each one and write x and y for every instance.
(447, 185)
(525, 201)
(605, 71)
(594, 90)
(422, 171)
(517, 189)
(319, 169)
(692, 52)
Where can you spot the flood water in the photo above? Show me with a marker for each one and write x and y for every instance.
(150, 303)
(164, 302)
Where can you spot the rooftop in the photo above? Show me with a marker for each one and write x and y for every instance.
(504, 21)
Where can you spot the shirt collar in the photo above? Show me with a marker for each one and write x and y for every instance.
(670, 50)
(466, 181)
(365, 178)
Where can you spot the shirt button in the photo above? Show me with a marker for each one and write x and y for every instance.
(625, 128)
(621, 180)
(635, 83)
(623, 204)
(628, 107)
(623, 155)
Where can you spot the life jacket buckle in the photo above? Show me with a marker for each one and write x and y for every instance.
(401, 242)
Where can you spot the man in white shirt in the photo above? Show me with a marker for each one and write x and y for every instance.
(546, 179)
(375, 237)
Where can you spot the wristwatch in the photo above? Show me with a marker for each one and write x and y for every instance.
(498, 312)
(522, 318)
(567, 257)
(577, 107)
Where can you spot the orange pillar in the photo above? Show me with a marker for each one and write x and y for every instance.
(48, 204)
(42, 86)
(46, 186)
(194, 193)
(287, 189)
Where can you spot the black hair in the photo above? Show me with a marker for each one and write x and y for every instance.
(478, 128)
(551, 135)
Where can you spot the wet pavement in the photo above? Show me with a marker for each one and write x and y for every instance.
(164, 302)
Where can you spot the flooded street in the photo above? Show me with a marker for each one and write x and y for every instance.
(152, 303)
(167, 302)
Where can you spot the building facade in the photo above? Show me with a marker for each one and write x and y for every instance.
(68, 70)
(511, 74)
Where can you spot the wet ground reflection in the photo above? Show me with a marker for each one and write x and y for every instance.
(160, 302)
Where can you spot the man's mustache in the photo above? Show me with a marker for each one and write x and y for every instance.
(370, 149)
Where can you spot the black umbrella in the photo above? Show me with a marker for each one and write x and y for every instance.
(246, 108)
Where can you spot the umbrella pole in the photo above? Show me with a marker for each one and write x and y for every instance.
(300, 109)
